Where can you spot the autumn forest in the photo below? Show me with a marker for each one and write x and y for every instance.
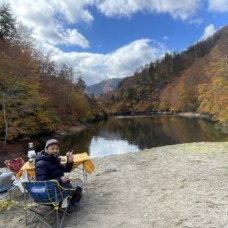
(39, 97)
(195, 80)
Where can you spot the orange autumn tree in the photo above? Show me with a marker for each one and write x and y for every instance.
(21, 103)
(22, 111)
(65, 94)
(213, 97)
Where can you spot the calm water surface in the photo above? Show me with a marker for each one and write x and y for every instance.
(124, 134)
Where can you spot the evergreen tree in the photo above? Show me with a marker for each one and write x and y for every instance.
(7, 23)
(80, 82)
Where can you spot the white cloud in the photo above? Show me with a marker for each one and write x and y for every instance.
(122, 8)
(218, 5)
(74, 11)
(133, 55)
(208, 31)
(54, 23)
(50, 20)
(120, 63)
(73, 37)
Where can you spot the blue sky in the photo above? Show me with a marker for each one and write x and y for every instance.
(112, 38)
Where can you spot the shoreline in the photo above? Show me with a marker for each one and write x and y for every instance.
(19, 147)
(194, 114)
(71, 130)
(184, 114)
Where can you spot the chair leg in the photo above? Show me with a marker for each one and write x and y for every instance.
(25, 209)
(11, 192)
(64, 212)
(57, 217)
(42, 218)
(39, 216)
(85, 181)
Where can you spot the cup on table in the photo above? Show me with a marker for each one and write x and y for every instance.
(69, 154)
(62, 159)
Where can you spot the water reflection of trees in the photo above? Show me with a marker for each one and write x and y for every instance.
(160, 130)
(79, 142)
(147, 132)
(144, 132)
(191, 130)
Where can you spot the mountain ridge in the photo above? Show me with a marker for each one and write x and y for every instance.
(103, 87)
(194, 80)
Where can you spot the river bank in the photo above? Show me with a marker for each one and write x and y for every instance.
(71, 130)
(180, 186)
(185, 114)
(19, 148)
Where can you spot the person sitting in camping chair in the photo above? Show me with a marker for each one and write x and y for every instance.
(48, 167)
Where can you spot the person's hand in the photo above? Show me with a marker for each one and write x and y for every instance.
(70, 156)
(65, 179)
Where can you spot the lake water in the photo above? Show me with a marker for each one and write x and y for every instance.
(124, 134)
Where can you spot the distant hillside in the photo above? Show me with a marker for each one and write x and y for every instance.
(103, 87)
(194, 80)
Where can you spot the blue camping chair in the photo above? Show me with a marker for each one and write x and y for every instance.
(6, 184)
(48, 193)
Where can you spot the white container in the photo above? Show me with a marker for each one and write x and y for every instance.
(31, 151)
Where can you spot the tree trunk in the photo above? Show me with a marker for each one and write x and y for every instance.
(5, 118)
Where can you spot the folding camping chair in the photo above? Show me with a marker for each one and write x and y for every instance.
(6, 184)
(14, 165)
(46, 193)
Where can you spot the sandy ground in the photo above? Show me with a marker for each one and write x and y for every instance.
(172, 186)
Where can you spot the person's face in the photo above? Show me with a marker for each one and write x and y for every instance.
(53, 149)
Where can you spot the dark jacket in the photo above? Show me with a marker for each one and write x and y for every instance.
(48, 167)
